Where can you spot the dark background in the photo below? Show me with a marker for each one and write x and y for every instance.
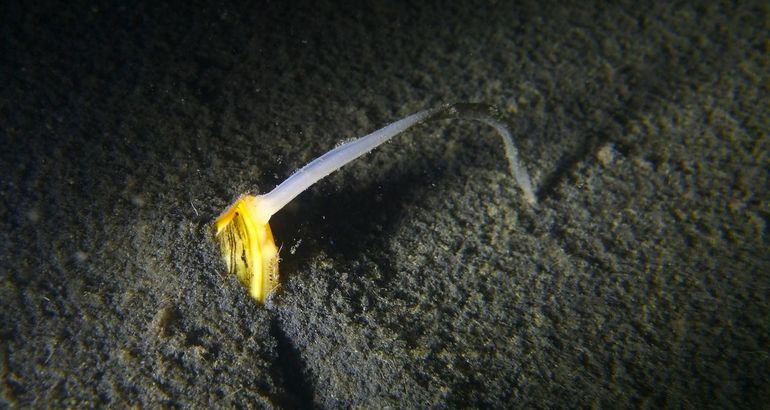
(418, 276)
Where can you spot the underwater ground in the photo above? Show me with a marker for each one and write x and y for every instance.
(418, 276)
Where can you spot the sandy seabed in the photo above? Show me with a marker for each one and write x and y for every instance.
(416, 277)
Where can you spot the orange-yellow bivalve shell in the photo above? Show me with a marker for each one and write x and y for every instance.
(248, 247)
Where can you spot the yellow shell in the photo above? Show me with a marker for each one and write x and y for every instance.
(248, 247)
